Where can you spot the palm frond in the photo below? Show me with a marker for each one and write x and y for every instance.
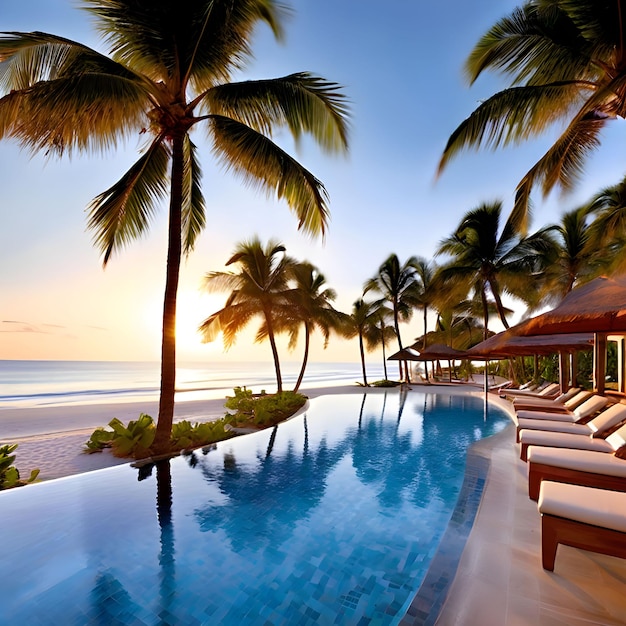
(534, 45)
(65, 96)
(303, 102)
(193, 209)
(510, 117)
(262, 164)
(123, 212)
(203, 40)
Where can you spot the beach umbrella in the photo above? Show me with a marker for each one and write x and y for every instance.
(598, 306)
(441, 351)
(406, 354)
(507, 343)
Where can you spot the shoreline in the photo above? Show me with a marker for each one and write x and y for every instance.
(52, 439)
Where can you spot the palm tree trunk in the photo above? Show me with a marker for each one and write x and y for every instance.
(483, 297)
(305, 358)
(396, 326)
(495, 290)
(382, 334)
(168, 340)
(424, 339)
(362, 359)
(270, 335)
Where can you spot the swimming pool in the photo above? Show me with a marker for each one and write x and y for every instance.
(331, 518)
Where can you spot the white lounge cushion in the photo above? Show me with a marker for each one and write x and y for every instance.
(542, 402)
(587, 408)
(563, 440)
(598, 507)
(605, 421)
(554, 426)
(578, 460)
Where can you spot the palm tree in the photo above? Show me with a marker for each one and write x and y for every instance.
(607, 231)
(397, 284)
(363, 323)
(381, 332)
(494, 261)
(566, 64)
(577, 256)
(310, 307)
(259, 288)
(170, 69)
(428, 289)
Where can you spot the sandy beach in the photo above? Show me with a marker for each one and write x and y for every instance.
(52, 438)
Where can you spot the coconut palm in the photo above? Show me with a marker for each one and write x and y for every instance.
(576, 257)
(492, 260)
(607, 230)
(428, 289)
(565, 63)
(310, 308)
(258, 289)
(170, 69)
(363, 322)
(397, 284)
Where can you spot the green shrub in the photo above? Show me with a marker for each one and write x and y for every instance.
(263, 410)
(187, 435)
(9, 474)
(133, 440)
(385, 383)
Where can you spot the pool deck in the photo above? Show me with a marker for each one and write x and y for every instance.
(500, 580)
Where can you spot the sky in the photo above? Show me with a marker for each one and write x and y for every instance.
(400, 65)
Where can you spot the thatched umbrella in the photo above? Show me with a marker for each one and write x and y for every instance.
(599, 307)
(508, 343)
(441, 351)
(406, 354)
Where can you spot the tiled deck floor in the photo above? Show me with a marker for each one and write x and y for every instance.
(500, 581)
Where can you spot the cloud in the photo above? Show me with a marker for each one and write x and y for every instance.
(15, 326)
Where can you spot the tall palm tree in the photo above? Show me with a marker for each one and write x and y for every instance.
(566, 63)
(428, 289)
(576, 256)
(258, 289)
(607, 230)
(382, 333)
(170, 69)
(493, 260)
(396, 282)
(363, 323)
(310, 307)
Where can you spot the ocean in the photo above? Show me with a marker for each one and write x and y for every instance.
(28, 384)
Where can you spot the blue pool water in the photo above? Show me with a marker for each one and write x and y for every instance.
(331, 518)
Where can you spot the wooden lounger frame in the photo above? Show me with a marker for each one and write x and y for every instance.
(559, 530)
(539, 471)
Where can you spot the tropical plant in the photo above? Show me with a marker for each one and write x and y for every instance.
(309, 304)
(263, 410)
(428, 290)
(576, 257)
(170, 69)
(363, 322)
(396, 283)
(493, 260)
(258, 289)
(9, 474)
(186, 435)
(565, 64)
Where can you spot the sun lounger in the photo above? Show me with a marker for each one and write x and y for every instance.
(551, 389)
(573, 427)
(576, 467)
(596, 437)
(583, 412)
(581, 517)
(548, 403)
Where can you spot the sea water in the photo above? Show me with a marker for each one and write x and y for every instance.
(27, 384)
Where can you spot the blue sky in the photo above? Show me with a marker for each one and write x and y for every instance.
(400, 63)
